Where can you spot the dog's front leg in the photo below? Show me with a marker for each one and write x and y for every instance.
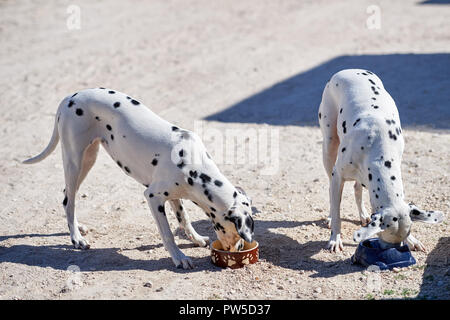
(336, 186)
(185, 223)
(156, 204)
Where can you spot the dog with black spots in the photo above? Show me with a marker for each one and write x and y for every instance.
(172, 163)
(370, 153)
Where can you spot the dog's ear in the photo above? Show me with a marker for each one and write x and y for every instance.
(417, 214)
(373, 228)
(244, 224)
(241, 191)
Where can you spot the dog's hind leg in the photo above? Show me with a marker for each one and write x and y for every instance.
(185, 223)
(78, 159)
(89, 158)
(328, 113)
(336, 186)
(364, 216)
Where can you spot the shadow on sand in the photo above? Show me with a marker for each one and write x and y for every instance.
(60, 257)
(436, 276)
(435, 2)
(276, 248)
(418, 83)
(281, 250)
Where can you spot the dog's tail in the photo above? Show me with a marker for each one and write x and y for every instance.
(51, 145)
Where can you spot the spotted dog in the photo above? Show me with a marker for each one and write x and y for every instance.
(170, 162)
(363, 142)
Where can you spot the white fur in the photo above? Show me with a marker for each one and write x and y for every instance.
(171, 162)
(363, 142)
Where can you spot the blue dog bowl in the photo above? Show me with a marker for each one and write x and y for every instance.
(369, 253)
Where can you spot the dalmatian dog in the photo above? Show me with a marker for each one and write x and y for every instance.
(170, 162)
(363, 142)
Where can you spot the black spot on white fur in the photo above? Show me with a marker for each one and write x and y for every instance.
(392, 136)
(193, 174)
(205, 178)
(181, 165)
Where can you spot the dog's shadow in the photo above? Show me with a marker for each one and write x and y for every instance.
(416, 82)
(280, 249)
(436, 275)
(61, 256)
(275, 247)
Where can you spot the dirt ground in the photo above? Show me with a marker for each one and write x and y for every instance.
(247, 65)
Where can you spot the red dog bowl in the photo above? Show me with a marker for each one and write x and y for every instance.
(234, 260)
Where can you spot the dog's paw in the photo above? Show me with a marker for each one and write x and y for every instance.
(335, 244)
(414, 244)
(180, 260)
(201, 241)
(197, 239)
(365, 219)
(80, 243)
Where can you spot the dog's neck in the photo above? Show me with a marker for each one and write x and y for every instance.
(211, 191)
(384, 182)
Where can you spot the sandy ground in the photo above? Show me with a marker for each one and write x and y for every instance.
(258, 65)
